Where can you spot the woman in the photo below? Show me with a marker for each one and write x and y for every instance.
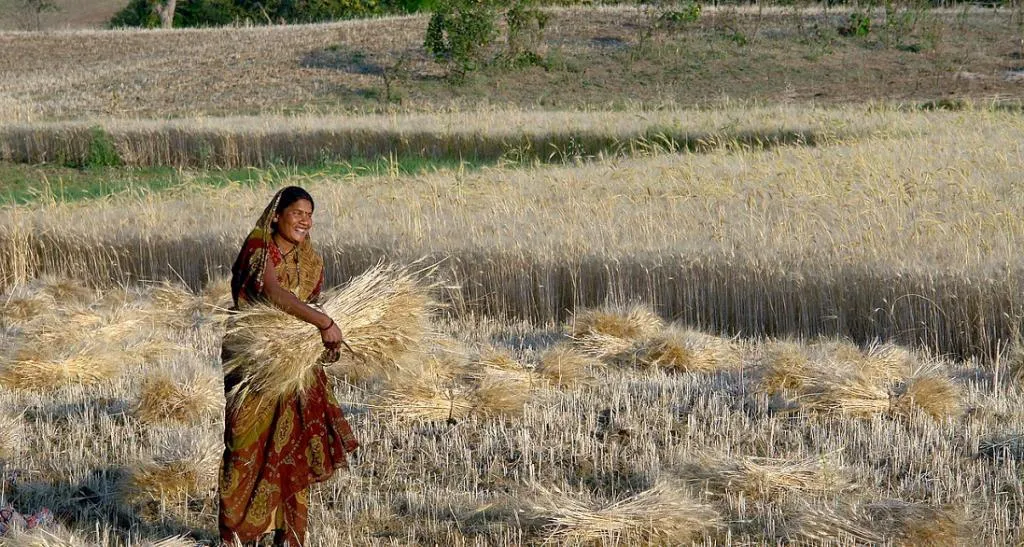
(274, 450)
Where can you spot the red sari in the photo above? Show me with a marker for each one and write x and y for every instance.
(274, 450)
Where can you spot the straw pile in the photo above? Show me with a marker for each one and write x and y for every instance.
(625, 323)
(930, 392)
(896, 521)
(446, 385)
(382, 314)
(636, 337)
(916, 523)
(175, 541)
(30, 370)
(428, 391)
(765, 478)
(564, 365)
(828, 525)
(612, 333)
(837, 377)
(172, 306)
(184, 465)
(164, 398)
(686, 350)
(65, 291)
(12, 434)
(663, 514)
(51, 536)
(21, 310)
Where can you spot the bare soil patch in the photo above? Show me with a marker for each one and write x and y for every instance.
(593, 58)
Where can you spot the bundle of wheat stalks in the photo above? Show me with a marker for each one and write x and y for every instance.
(759, 478)
(665, 514)
(383, 314)
(838, 377)
(634, 336)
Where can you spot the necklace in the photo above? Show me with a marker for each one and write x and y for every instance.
(285, 275)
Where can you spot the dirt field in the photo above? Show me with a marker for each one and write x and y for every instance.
(594, 60)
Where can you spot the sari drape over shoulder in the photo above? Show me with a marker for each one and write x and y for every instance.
(275, 449)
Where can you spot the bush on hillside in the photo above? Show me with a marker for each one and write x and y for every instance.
(459, 32)
(202, 13)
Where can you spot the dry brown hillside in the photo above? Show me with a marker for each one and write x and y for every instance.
(72, 14)
(594, 58)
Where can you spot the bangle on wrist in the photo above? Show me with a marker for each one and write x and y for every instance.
(329, 325)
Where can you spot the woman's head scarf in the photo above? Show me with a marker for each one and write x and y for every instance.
(247, 272)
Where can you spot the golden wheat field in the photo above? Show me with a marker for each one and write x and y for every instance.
(664, 347)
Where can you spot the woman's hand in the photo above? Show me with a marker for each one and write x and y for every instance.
(331, 336)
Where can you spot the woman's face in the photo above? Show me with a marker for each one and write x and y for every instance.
(295, 221)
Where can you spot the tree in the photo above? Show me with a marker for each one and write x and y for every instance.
(165, 10)
(38, 7)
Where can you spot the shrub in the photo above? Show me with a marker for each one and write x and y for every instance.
(200, 13)
(525, 32)
(459, 31)
(102, 152)
(859, 24)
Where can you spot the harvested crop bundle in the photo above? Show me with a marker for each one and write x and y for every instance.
(852, 395)
(687, 350)
(629, 322)
(664, 514)
(757, 477)
(931, 392)
(185, 464)
(499, 395)
(383, 314)
(31, 371)
(166, 398)
(429, 391)
(564, 366)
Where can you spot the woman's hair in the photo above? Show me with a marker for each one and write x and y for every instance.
(290, 195)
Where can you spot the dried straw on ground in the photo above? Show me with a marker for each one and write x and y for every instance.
(664, 514)
(564, 366)
(680, 349)
(185, 465)
(759, 478)
(499, 395)
(18, 310)
(785, 365)
(171, 306)
(50, 536)
(628, 323)
(829, 525)
(383, 314)
(915, 523)
(175, 541)
(621, 352)
(933, 393)
(29, 372)
(164, 398)
(430, 391)
(12, 435)
(888, 361)
(66, 291)
(856, 395)
(217, 293)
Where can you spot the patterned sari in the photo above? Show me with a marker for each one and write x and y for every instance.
(274, 450)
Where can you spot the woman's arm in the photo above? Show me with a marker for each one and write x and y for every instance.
(285, 300)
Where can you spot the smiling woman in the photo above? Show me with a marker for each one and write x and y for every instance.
(275, 447)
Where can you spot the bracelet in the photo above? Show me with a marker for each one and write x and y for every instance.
(329, 325)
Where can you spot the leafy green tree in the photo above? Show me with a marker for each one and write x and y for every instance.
(459, 31)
